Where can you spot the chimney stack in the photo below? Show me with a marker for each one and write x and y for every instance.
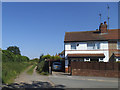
(103, 27)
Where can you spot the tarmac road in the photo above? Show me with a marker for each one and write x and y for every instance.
(66, 81)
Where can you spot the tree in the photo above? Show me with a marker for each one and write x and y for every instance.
(46, 56)
(14, 49)
(7, 55)
(56, 57)
(35, 60)
(40, 59)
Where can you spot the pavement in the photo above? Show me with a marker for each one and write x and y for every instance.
(62, 80)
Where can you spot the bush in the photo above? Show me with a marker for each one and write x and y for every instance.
(42, 67)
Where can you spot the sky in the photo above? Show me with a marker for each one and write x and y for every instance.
(39, 27)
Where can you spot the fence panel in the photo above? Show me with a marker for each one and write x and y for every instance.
(96, 65)
(109, 66)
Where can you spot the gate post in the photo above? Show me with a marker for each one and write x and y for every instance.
(50, 68)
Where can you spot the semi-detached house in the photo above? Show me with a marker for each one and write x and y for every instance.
(101, 45)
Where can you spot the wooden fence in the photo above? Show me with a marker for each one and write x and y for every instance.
(106, 69)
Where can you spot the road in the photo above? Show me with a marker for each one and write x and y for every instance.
(61, 80)
(66, 81)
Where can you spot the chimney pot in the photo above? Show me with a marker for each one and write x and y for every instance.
(103, 27)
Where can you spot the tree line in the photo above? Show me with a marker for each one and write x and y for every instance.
(13, 54)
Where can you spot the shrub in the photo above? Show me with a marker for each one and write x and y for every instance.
(42, 67)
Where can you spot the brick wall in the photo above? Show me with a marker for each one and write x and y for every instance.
(112, 45)
(101, 69)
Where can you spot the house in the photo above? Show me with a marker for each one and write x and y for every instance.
(101, 45)
(62, 54)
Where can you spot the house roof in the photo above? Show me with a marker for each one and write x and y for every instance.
(62, 53)
(91, 35)
(85, 55)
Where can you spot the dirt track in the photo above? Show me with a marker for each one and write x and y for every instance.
(31, 81)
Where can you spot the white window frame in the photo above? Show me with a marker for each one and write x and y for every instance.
(101, 59)
(86, 59)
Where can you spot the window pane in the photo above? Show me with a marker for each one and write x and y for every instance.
(119, 45)
(91, 45)
(73, 46)
(87, 58)
(101, 58)
(98, 46)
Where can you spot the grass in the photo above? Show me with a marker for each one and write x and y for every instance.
(30, 71)
(12, 69)
(44, 73)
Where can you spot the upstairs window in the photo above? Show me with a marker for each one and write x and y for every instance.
(90, 45)
(118, 44)
(97, 45)
(93, 45)
(73, 46)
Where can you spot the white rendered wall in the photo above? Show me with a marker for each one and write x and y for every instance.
(104, 45)
(82, 49)
(83, 45)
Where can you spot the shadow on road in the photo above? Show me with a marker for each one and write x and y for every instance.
(35, 84)
(59, 86)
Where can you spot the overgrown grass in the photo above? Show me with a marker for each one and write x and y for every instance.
(11, 69)
(30, 71)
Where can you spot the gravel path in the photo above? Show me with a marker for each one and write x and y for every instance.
(35, 80)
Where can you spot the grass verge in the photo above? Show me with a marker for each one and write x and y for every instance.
(30, 71)
(12, 69)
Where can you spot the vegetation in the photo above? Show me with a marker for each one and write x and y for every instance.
(56, 57)
(14, 49)
(43, 65)
(0, 64)
(13, 64)
(11, 69)
(44, 73)
(35, 60)
(30, 71)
